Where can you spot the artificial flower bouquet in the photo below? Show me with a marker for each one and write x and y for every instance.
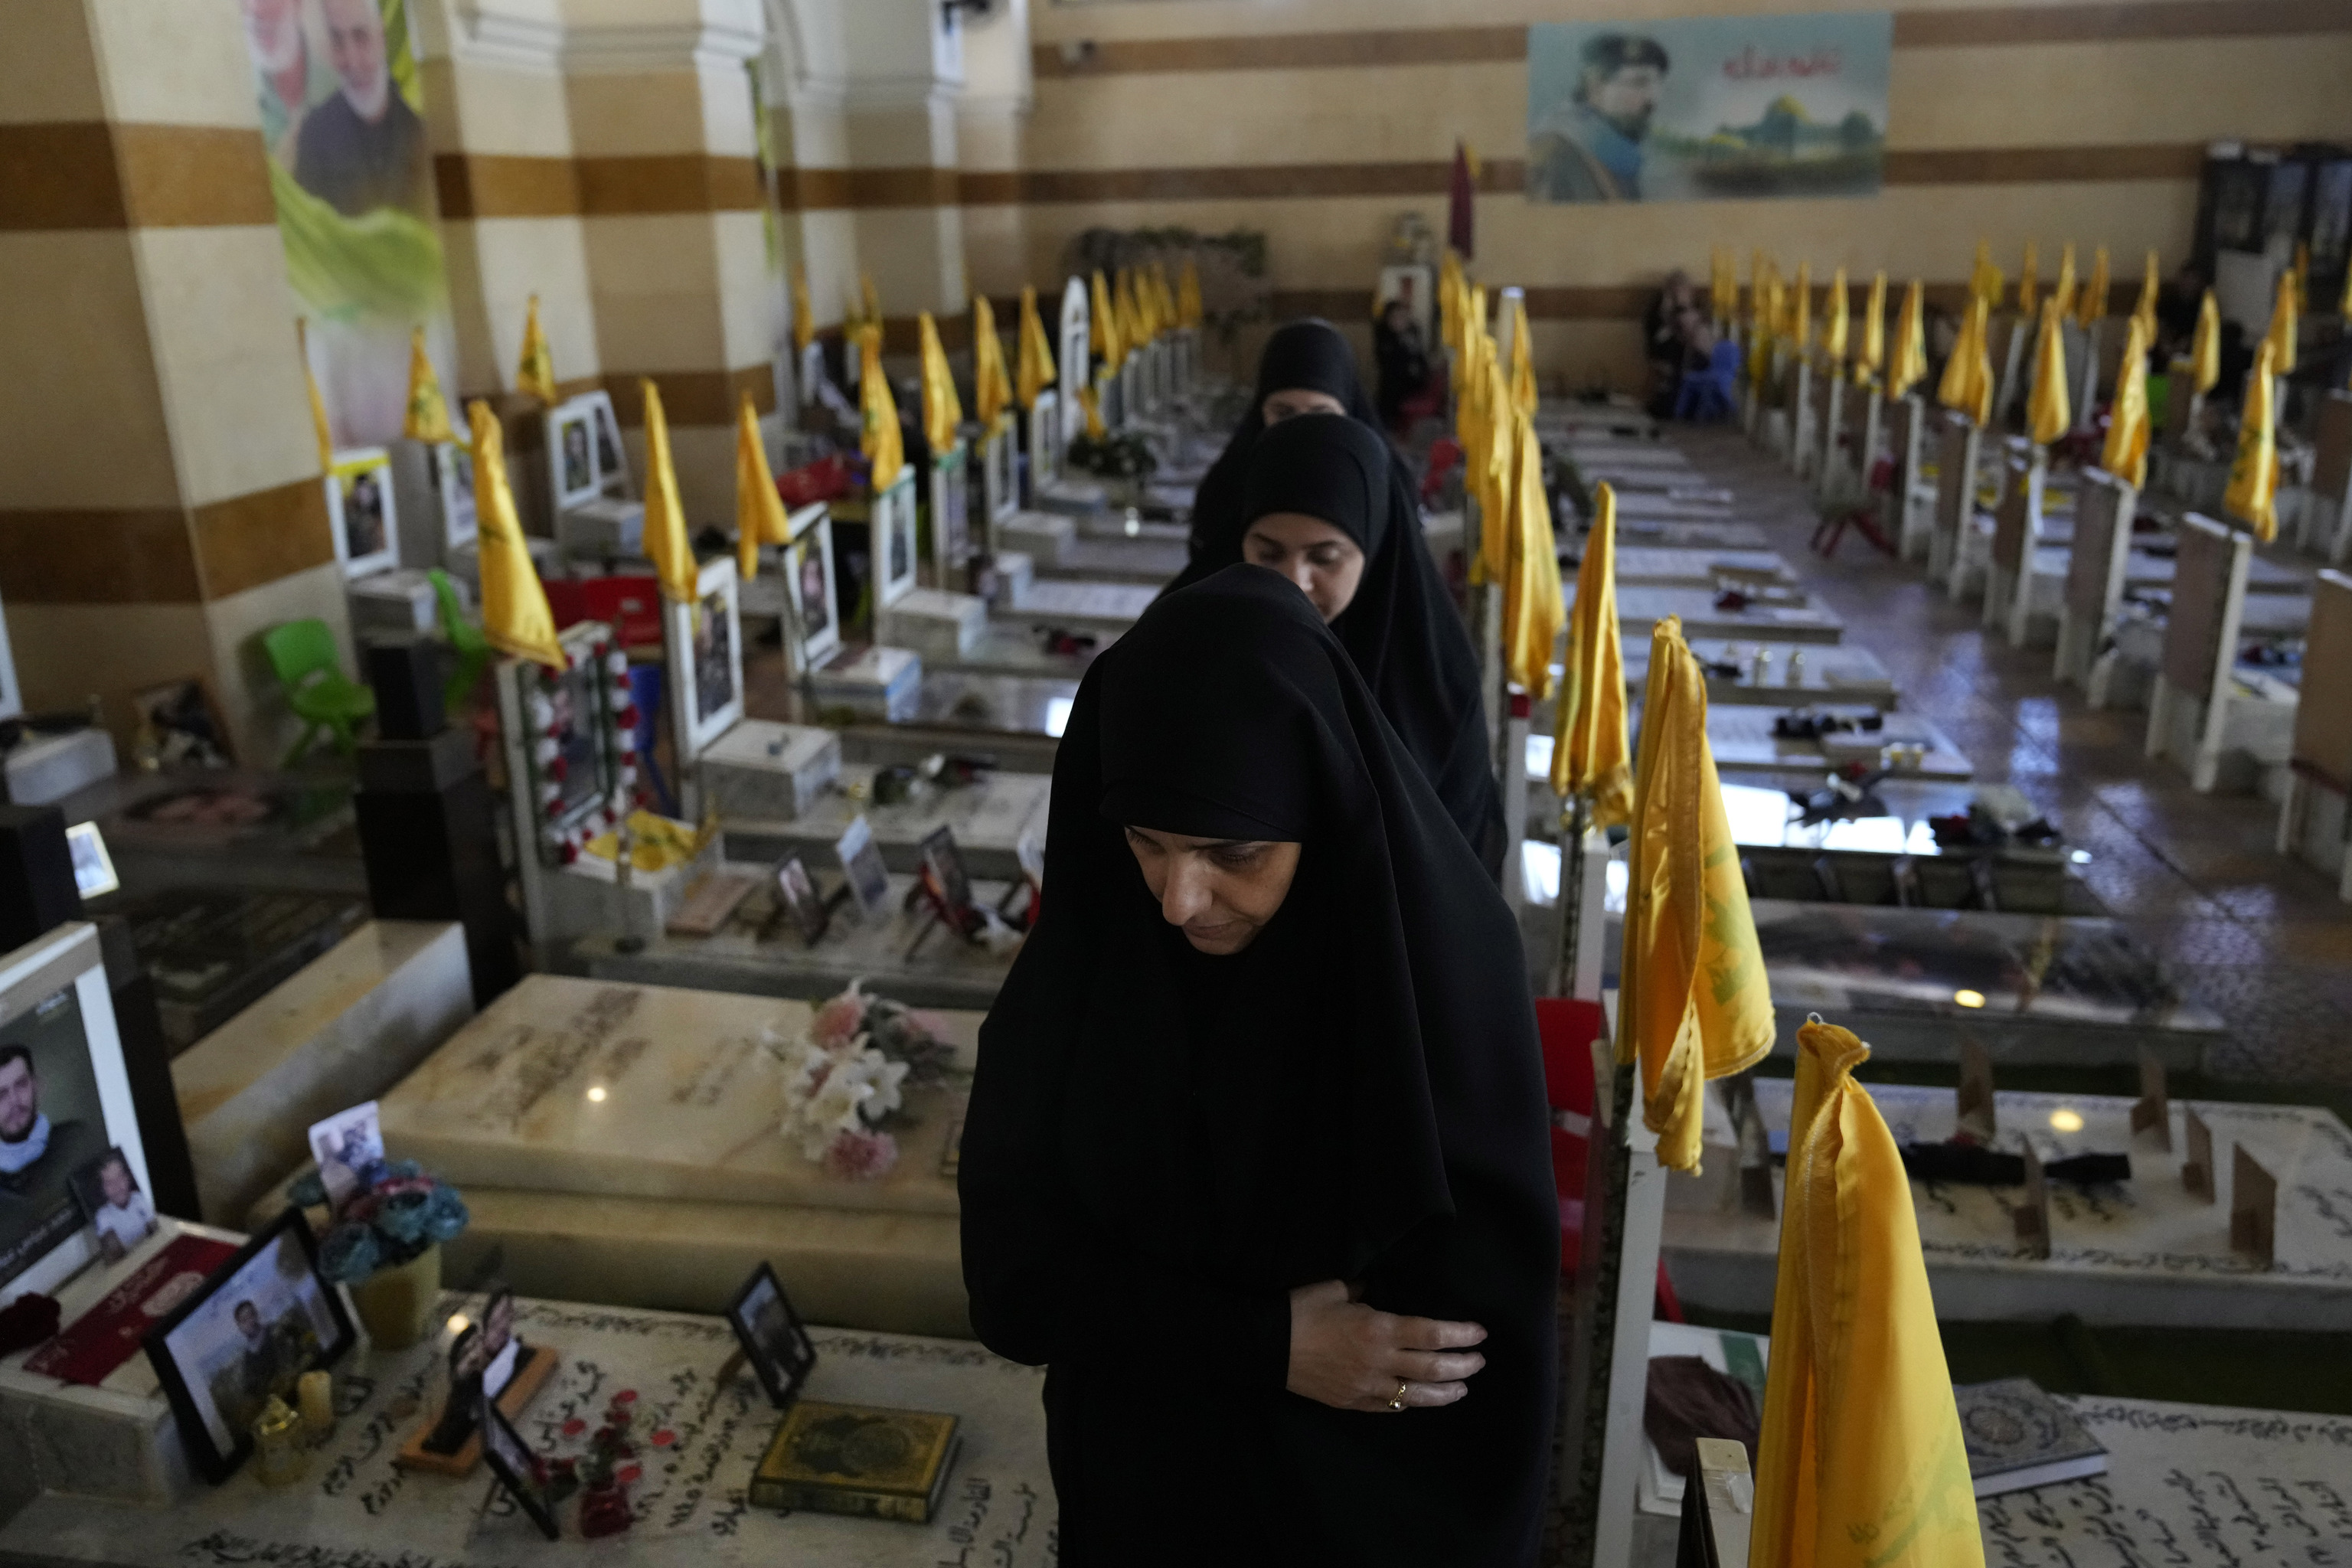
(846, 1077)
(396, 1215)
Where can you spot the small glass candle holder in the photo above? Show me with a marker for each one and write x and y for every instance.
(279, 1456)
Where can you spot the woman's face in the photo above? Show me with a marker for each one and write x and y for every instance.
(1320, 560)
(1221, 892)
(1293, 401)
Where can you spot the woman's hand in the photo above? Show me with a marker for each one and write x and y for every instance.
(1353, 1357)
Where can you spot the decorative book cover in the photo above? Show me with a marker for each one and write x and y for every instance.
(2020, 1438)
(856, 1459)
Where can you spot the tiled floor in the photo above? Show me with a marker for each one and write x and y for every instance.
(2259, 938)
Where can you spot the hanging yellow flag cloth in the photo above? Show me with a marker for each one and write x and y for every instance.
(1870, 352)
(1533, 611)
(1188, 293)
(871, 299)
(2279, 338)
(1497, 471)
(1907, 367)
(319, 429)
(1033, 364)
(666, 541)
(759, 515)
(2205, 348)
(1800, 308)
(515, 615)
(2049, 410)
(428, 411)
(1692, 1000)
(2126, 453)
(1092, 408)
(879, 437)
(1523, 360)
(1104, 320)
(1984, 278)
(2091, 305)
(535, 371)
(991, 389)
(2063, 291)
(1860, 1462)
(2026, 298)
(1967, 386)
(803, 315)
(1591, 754)
(1834, 321)
(942, 409)
(2150, 286)
(2252, 493)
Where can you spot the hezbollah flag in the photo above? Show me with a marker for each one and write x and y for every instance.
(535, 371)
(870, 299)
(2280, 336)
(1801, 310)
(2049, 411)
(2126, 453)
(942, 409)
(1870, 352)
(2150, 289)
(1523, 360)
(879, 437)
(1591, 755)
(319, 429)
(2063, 290)
(803, 315)
(1497, 434)
(1091, 406)
(2091, 305)
(2252, 493)
(991, 389)
(515, 615)
(1106, 326)
(1692, 1003)
(428, 411)
(1034, 367)
(2026, 298)
(1907, 367)
(1967, 386)
(666, 542)
(760, 517)
(1984, 277)
(1834, 321)
(1859, 1459)
(1532, 610)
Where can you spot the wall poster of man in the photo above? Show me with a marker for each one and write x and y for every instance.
(342, 122)
(1708, 108)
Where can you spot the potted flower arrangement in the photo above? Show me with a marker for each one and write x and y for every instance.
(1123, 459)
(385, 1243)
(846, 1075)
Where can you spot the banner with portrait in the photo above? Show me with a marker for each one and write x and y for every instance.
(1708, 107)
(343, 120)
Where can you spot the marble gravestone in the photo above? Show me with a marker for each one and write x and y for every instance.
(1655, 534)
(1799, 619)
(697, 1442)
(2144, 1252)
(1776, 674)
(1668, 504)
(1671, 567)
(1067, 605)
(989, 818)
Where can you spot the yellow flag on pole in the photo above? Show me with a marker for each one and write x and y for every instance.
(1984, 277)
(535, 371)
(428, 411)
(1907, 367)
(1091, 406)
(2064, 289)
(2253, 494)
(1834, 321)
(870, 299)
(942, 409)
(666, 539)
(1801, 310)
(2049, 409)
(879, 437)
(1860, 1462)
(515, 615)
(759, 515)
(803, 314)
(1870, 352)
(2279, 338)
(991, 389)
(2026, 297)
(2126, 452)
(1533, 611)
(1523, 360)
(1967, 386)
(319, 429)
(1105, 321)
(2091, 305)
(1034, 361)
(2150, 288)
(2205, 348)
(1592, 753)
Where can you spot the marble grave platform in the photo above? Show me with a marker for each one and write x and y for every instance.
(1800, 619)
(989, 818)
(1667, 566)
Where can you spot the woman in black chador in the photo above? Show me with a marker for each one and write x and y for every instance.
(1257, 1161)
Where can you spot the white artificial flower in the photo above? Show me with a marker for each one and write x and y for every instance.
(885, 1076)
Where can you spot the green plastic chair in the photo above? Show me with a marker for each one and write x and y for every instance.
(303, 655)
(466, 640)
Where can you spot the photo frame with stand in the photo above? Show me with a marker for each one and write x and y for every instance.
(771, 1338)
(452, 463)
(893, 525)
(518, 1470)
(946, 885)
(1076, 363)
(244, 1337)
(951, 505)
(999, 482)
(798, 903)
(612, 455)
(572, 454)
(861, 863)
(809, 579)
(361, 512)
(572, 717)
(704, 652)
(1045, 442)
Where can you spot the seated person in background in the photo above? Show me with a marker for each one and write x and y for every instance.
(1710, 373)
(1402, 361)
(1663, 339)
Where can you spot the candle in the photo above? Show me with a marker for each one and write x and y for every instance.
(316, 1393)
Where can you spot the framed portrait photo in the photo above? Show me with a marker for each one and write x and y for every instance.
(359, 509)
(894, 526)
(798, 901)
(117, 1207)
(518, 1470)
(572, 453)
(861, 863)
(94, 874)
(261, 1321)
(612, 458)
(453, 480)
(774, 1339)
(808, 563)
(950, 502)
(704, 649)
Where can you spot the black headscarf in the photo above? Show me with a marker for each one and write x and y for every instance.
(1161, 1144)
(1400, 628)
(1307, 354)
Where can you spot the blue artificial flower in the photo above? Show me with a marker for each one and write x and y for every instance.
(403, 1219)
(446, 1215)
(308, 1191)
(350, 1253)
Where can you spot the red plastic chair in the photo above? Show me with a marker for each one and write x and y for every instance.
(1566, 1028)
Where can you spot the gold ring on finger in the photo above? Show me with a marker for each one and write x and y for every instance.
(1398, 1403)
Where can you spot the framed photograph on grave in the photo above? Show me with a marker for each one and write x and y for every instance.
(518, 1470)
(809, 571)
(345, 1146)
(861, 863)
(12, 697)
(65, 1105)
(1075, 367)
(704, 644)
(117, 1209)
(453, 479)
(360, 510)
(94, 874)
(612, 458)
(567, 742)
(798, 901)
(243, 1337)
(943, 871)
(1000, 489)
(188, 725)
(774, 1339)
(572, 453)
(950, 502)
(895, 540)
(1044, 441)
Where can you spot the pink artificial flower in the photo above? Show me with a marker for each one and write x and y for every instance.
(838, 1021)
(861, 1157)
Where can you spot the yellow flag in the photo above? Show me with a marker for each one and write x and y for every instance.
(1105, 321)
(879, 437)
(1523, 359)
(428, 411)
(2150, 288)
(1967, 386)
(535, 371)
(1834, 321)
(1870, 354)
(2205, 348)
(1591, 755)
(2091, 305)
(2253, 494)
(1692, 1001)
(991, 389)
(319, 429)
(2063, 291)
(1134, 332)
(1984, 278)
(1092, 407)
(1034, 364)
(1497, 471)
(2280, 336)
(1908, 365)
(666, 541)
(869, 297)
(515, 615)
(2302, 275)
(942, 409)
(804, 316)
(2026, 299)
(1860, 1461)
(2126, 453)
(2049, 410)
(1188, 294)
(2342, 305)
(1801, 310)
(1533, 611)
(759, 515)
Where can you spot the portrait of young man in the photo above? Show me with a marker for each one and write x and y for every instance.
(1589, 149)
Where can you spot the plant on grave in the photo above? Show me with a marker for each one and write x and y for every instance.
(397, 1213)
(1122, 455)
